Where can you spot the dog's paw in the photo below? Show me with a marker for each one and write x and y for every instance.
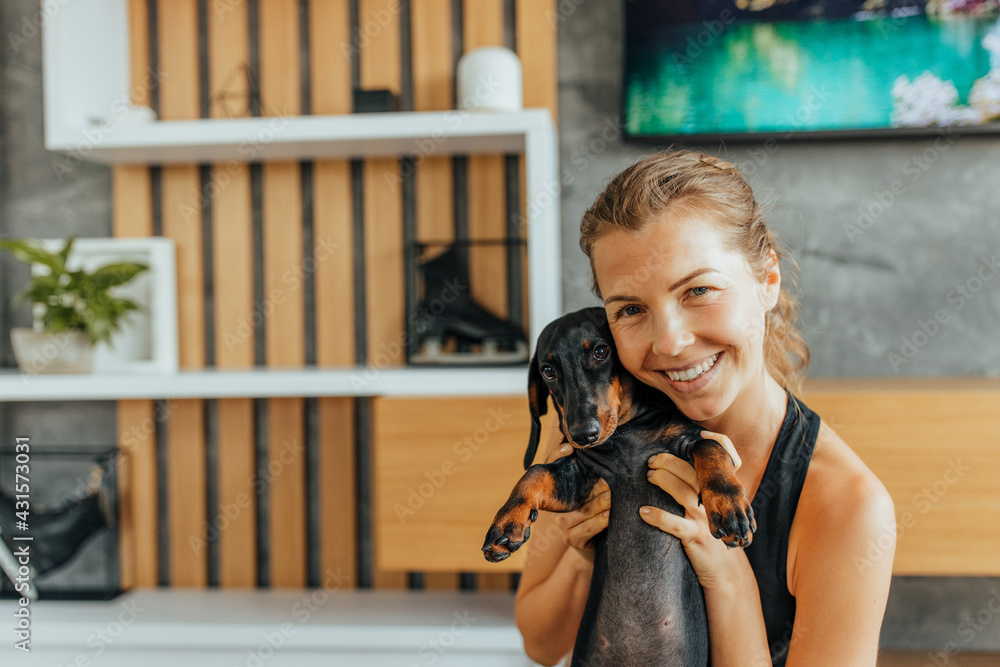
(730, 516)
(511, 528)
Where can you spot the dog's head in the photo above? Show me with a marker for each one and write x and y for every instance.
(575, 363)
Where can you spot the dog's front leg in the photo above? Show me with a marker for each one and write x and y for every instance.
(559, 486)
(729, 513)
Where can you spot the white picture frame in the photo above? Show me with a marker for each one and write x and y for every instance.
(148, 339)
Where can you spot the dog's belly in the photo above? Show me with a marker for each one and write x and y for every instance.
(646, 606)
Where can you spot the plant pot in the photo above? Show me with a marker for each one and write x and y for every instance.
(42, 352)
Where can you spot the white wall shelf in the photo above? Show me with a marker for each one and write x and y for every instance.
(267, 382)
(279, 628)
(88, 117)
(421, 134)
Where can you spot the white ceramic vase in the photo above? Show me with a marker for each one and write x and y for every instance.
(42, 352)
(489, 79)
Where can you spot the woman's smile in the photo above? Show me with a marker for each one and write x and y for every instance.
(696, 377)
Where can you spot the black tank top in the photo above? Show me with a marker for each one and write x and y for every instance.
(774, 506)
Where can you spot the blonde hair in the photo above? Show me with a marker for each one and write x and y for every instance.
(700, 182)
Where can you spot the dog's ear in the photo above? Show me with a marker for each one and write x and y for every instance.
(538, 401)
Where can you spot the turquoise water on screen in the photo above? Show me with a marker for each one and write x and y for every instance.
(793, 75)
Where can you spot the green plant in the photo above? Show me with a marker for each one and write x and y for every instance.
(77, 300)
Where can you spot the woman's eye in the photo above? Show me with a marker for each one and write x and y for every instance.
(601, 352)
(700, 291)
(630, 310)
(548, 372)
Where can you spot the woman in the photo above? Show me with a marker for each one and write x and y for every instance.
(689, 275)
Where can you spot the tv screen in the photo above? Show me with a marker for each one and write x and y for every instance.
(781, 67)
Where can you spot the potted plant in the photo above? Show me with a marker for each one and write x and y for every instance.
(73, 310)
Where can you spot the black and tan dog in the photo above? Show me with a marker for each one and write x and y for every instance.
(646, 606)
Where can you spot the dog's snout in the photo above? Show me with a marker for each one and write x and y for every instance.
(588, 433)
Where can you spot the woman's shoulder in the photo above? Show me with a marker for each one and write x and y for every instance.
(837, 473)
(843, 506)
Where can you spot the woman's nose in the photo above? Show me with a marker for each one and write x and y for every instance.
(671, 336)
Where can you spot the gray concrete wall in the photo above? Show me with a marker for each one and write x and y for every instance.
(34, 202)
(860, 297)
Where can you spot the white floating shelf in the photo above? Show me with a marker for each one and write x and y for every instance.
(267, 382)
(422, 134)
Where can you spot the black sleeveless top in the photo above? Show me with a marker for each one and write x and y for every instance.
(774, 506)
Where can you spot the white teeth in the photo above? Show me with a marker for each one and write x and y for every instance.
(692, 373)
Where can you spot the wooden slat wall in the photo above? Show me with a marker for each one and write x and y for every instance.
(934, 447)
(335, 307)
(181, 219)
(285, 326)
(232, 258)
(212, 446)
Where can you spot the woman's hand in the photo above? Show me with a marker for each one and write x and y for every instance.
(713, 561)
(579, 526)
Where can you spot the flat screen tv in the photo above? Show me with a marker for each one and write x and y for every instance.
(754, 68)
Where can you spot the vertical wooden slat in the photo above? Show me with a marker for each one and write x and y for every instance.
(383, 224)
(178, 58)
(334, 261)
(132, 215)
(283, 288)
(138, 34)
(537, 49)
(232, 259)
(432, 91)
(484, 26)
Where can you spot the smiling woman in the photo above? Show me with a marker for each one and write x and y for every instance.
(690, 278)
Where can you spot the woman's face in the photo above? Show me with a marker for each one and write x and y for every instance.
(685, 311)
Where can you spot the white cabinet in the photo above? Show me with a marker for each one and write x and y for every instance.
(277, 628)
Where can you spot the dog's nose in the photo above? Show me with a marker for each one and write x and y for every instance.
(589, 433)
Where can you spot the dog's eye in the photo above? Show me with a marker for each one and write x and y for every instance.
(601, 352)
(548, 372)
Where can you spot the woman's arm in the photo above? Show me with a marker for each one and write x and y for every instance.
(841, 550)
(555, 582)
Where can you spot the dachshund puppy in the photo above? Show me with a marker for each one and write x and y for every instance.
(645, 606)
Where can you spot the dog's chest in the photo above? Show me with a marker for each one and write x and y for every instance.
(645, 602)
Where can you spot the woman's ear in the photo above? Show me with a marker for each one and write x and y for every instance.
(772, 281)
